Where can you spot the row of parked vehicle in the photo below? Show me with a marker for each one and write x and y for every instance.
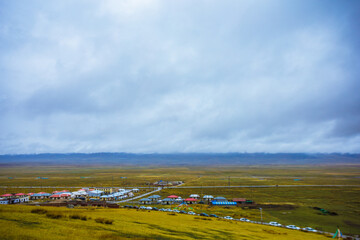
(276, 224)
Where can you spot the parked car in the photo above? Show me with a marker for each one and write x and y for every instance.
(148, 208)
(191, 213)
(228, 218)
(309, 229)
(213, 215)
(182, 211)
(204, 214)
(276, 224)
(176, 211)
(155, 209)
(244, 220)
(142, 207)
(293, 227)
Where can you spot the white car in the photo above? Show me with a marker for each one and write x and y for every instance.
(228, 218)
(142, 207)
(293, 227)
(276, 224)
(244, 220)
(148, 208)
(309, 229)
(191, 213)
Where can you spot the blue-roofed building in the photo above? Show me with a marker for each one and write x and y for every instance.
(154, 198)
(167, 201)
(227, 203)
(220, 199)
(145, 201)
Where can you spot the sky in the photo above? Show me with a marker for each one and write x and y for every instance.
(174, 76)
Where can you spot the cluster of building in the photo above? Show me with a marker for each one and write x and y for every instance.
(107, 194)
(162, 183)
(196, 199)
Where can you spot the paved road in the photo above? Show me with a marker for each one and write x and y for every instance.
(140, 196)
(267, 186)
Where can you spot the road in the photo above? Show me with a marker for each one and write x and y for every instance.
(179, 186)
(266, 186)
(140, 196)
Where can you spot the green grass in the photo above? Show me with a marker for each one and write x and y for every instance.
(343, 200)
(18, 222)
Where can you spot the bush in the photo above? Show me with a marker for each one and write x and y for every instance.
(75, 216)
(104, 220)
(109, 221)
(99, 220)
(54, 215)
(39, 211)
(84, 218)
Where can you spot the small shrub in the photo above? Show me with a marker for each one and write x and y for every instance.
(104, 220)
(109, 221)
(39, 211)
(75, 216)
(54, 215)
(99, 220)
(84, 218)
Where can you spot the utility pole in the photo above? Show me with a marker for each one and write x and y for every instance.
(261, 214)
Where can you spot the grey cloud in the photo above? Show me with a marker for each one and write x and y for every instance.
(179, 76)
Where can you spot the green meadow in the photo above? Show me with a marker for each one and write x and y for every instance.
(28, 222)
(292, 204)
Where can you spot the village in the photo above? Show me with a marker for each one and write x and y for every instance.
(116, 195)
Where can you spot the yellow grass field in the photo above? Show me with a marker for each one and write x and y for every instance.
(19, 222)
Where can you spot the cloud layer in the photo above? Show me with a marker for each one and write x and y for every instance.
(179, 76)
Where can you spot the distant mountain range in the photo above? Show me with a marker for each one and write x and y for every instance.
(179, 159)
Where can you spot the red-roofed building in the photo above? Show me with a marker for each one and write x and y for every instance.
(20, 194)
(172, 196)
(29, 194)
(65, 195)
(6, 195)
(191, 200)
(55, 196)
(243, 202)
(55, 192)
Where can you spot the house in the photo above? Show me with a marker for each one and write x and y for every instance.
(65, 196)
(7, 195)
(54, 196)
(167, 201)
(4, 201)
(145, 201)
(154, 198)
(196, 196)
(95, 194)
(36, 196)
(208, 198)
(20, 195)
(179, 200)
(191, 200)
(239, 201)
(173, 196)
(106, 190)
(23, 199)
(135, 190)
(220, 199)
(226, 203)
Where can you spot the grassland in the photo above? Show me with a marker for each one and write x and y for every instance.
(193, 176)
(18, 222)
(288, 205)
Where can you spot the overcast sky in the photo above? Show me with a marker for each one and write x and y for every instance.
(179, 76)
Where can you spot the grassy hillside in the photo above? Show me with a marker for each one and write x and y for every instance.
(22, 222)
